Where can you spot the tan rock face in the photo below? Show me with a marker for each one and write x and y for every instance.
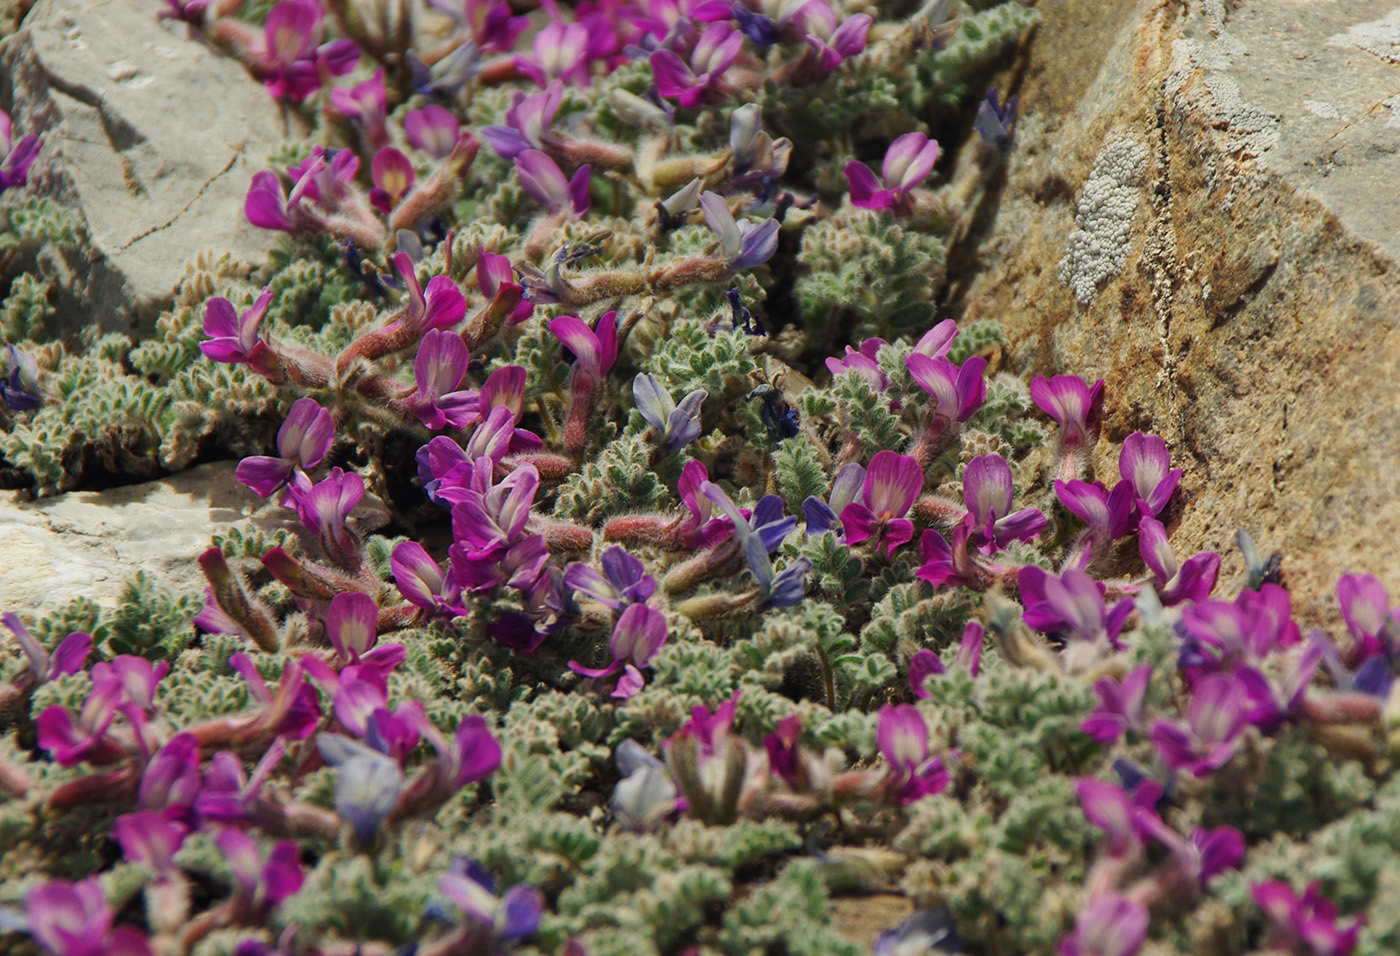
(1198, 210)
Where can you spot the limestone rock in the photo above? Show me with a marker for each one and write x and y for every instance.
(150, 135)
(91, 543)
(1249, 312)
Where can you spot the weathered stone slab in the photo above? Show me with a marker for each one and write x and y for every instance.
(91, 543)
(151, 136)
(1198, 208)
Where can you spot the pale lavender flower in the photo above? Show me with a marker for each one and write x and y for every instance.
(543, 182)
(527, 122)
(676, 425)
(645, 795)
(745, 244)
(623, 582)
(1111, 925)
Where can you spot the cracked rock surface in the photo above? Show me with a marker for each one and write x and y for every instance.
(150, 137)
(1251, 317)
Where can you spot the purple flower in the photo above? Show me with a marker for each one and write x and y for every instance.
(937, 341)
(970, 648)
(496, 279)
(908, 162)
(527, 122)
(638, 635)
(296, 709)
(495, 519)
(1072, 603)
(367, 785)
(1222, 635)
(15, 157)
(816, 21)
(187, 11)
(1120, 706)
(987, 492)
(1118, 815)
(150, 839)
(624, 580)
(263, 883)
(1307, 924)
(440, 306)
(302, 441)
(72, 742)
(471, 756)
(892, 484)
(1145, 463)
(994, 119)
(512, 916)
(232, 337)
(948, 564)
(766, 522)
(20, 386)
(903, 739)
(228, 794)
(423, 583)
(824, 516)
(785, 588)
(292, 60)
(1176, 584)
(1217, 718)
(694, 82)
(433, 129)
(1206, 855)
(73, 919)
(758, 158)
(1111, 925)
(543, 182)
(438, 369)
(352, 624)
(67, 658)
(958, 392)
(676, 425)
(743, 245)
(559, 52)
(171, 780)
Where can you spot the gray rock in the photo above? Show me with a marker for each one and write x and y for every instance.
(150, 135)
(91, 543)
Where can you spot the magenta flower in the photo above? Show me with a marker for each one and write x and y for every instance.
(1207, 742)
(527, 122)
(1111, 925)
(708, 763)
(937, 341)
(1204, 856)
(86, 739)
(490, 23)
(745, 244)
(433, 129)
(1076, 407)
(294, 711)
(67, 658)
(496, 280)
(1223, 635)
(834, 44)
(923, 665)
(1071, 603)
(892, 484)
(229, 795)
(700, 528)
(262, 883)
(944, 563)
(559, 52)
(637, 636)
(393, 176)
(903, 739)
(324, 508)
(15, 157)
(1120, 706)
(1176, 583)
(291, 60)
(302, 441)
(1146, 464)
(1118, 815)
(958, 392)
(908, 162)
(170, 782)
(186, 11)
(232, 337)
(594, 351)
(423, 583)
(863, 362)
(471, 756)
(352, 624)
(438, 369)
(987, 492)
(73, 919)
(495, 519)
(1109, 514)
(150, 840)
(1307, 924)
(694, 82)
(970, 648)
(1366, 609)
(363, 105)
(543, 182)
(440, 306)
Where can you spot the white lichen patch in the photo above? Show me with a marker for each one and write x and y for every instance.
(1392, 121)
(1098, 246)
(1322, 108)
(1379, 37)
